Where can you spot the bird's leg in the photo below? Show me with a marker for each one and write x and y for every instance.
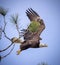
(43, 45)
(18, 52)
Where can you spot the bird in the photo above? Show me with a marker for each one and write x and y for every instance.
(32, 33)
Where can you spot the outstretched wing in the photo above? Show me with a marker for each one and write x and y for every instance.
(33, 16)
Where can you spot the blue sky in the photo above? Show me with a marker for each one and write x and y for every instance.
(49, 11)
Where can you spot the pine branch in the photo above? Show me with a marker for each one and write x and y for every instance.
(18, 30)
(6, 36)
(3, 11)
(14, 19)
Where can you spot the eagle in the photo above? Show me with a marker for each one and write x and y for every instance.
(32, 38)
(32, 35)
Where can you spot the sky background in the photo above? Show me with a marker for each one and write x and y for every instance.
(49, 11)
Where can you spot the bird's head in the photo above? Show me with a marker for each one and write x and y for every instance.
(43, 45)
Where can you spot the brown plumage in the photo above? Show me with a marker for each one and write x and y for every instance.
(32, 40)
(33, 16)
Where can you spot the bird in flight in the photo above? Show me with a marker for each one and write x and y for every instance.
(32, 33)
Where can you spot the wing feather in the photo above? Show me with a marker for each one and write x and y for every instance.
(33, 16)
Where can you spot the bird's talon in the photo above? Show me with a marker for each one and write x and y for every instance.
(18, 52)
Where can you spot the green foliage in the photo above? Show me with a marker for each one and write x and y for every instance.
(3, 11)
(14, 18)
(33, 27)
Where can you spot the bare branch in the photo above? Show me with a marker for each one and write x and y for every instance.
(5, 36)
(6, 47)
(4, 30)
(8, 53)
(0, 32)
(18, 30)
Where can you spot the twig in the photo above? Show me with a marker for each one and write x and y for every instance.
(6, 37)
(15, 20)
(9, 52)
(4, 30)
(18, 29)
(0, 32)
(6, 47)
(3, 12)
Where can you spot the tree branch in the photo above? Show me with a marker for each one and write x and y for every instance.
(18, 29)
(6, 47)
(4, 30)
(5, 36)
(8, 53)
(0, 32)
